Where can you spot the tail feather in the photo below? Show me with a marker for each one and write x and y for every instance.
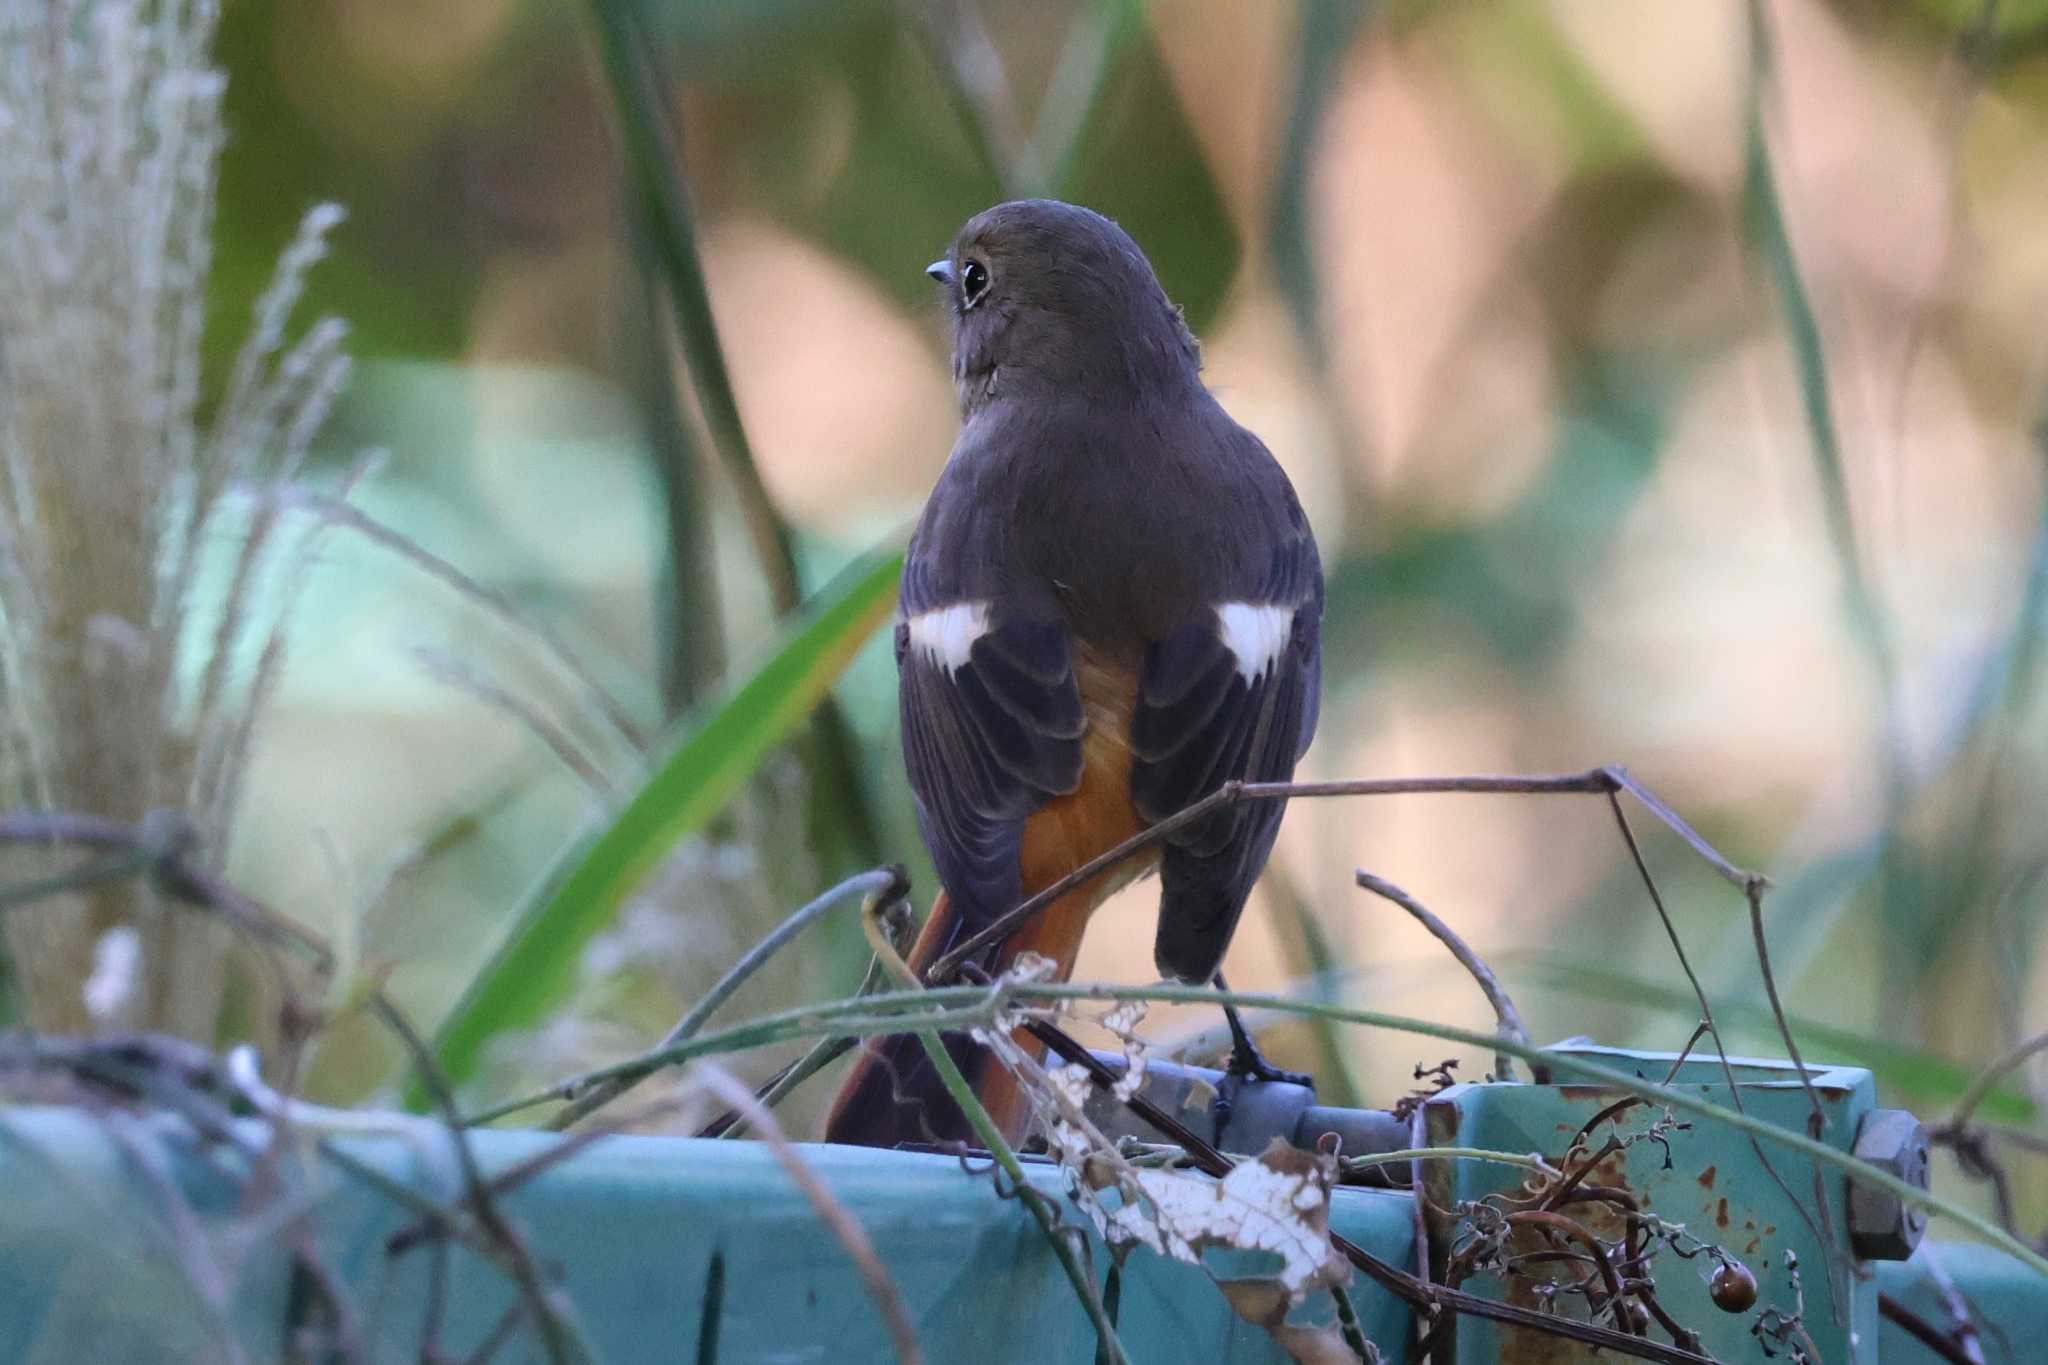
(894, 1094)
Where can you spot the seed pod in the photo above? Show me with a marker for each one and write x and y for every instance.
(1733, 1287)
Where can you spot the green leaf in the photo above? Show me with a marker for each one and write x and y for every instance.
(534, 968)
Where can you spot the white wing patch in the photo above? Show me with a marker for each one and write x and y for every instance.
(1256, 634)
(946, 635)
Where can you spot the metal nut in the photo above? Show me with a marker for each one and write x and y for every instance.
(1881, 1225)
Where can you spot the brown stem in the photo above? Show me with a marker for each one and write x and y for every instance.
(1430, 1300)
(1925, 1332)
(1593, 782)
(1570, 1229)
(1508, 1019)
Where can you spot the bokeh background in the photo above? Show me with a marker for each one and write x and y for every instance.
(1496, 284)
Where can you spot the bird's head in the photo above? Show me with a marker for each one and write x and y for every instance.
(1047, 296)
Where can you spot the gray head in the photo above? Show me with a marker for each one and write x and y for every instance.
(1050, 296)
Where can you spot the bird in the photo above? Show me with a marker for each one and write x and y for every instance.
(1110, 607)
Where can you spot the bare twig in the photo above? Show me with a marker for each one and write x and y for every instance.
(164, 837)
(851, 1236)
(1987, 1080)
(1496, 995)
(1526, 1160)
(1108, 1345)
(511, 1177)
(2018, 1137)
(1974, 1154)
(1594, 782)
(552, 1316)
(890, 884)
(1429, 1299)
(495, 1339)
(1948, 1347)
(1753, 886)
(1965, 1326)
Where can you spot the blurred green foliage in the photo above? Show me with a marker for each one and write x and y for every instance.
(1531, 378)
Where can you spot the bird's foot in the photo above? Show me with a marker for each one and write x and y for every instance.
(1247, 1065)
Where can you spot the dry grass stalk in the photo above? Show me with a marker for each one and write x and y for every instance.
(125, 685)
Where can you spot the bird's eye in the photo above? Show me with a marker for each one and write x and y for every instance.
(973, 281)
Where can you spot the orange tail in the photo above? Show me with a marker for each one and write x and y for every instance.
(894, 1095)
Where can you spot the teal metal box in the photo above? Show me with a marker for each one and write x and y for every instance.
(665, 1244)
(91, 1261)
(1713, 1180)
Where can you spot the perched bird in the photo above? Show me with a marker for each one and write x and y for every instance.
(1111, 607)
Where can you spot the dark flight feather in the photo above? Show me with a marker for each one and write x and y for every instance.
(1201, 723)
(986, 744)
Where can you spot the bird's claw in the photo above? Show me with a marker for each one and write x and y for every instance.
(1247, 1065)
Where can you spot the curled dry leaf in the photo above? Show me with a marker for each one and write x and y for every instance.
(1278, 1203)
(1123, 1021)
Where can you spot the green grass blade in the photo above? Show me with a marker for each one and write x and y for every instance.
(653, 149)
(689, 617)
(1917, 1074)
(1320, 48)
(654, 161)
(1764, 216)
(533, 970)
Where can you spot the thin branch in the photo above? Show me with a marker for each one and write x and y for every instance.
(2018, 1137)
(1108, 1345)
(820, 1055)
(1971, 1142)
(889, 884)
(1594, 782)
(1952, 1299)
(504, 1181)
(1926, 1333)
(1753, 887)
(1428, 1299)
(1504, 1012)
(1567, 1227)
(960, 1007)
(167, 839)
(495, 1339)
(851, 1236)
(1679, 1098)
(1528, 1161)
(552, 1317)
(1987, 1080)
(966, 1007)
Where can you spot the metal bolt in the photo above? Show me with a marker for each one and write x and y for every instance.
(1881, 1225)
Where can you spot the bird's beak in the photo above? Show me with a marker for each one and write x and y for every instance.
(940, 270)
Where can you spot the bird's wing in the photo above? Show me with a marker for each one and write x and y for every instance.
(1232, 694)
(992, 726)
